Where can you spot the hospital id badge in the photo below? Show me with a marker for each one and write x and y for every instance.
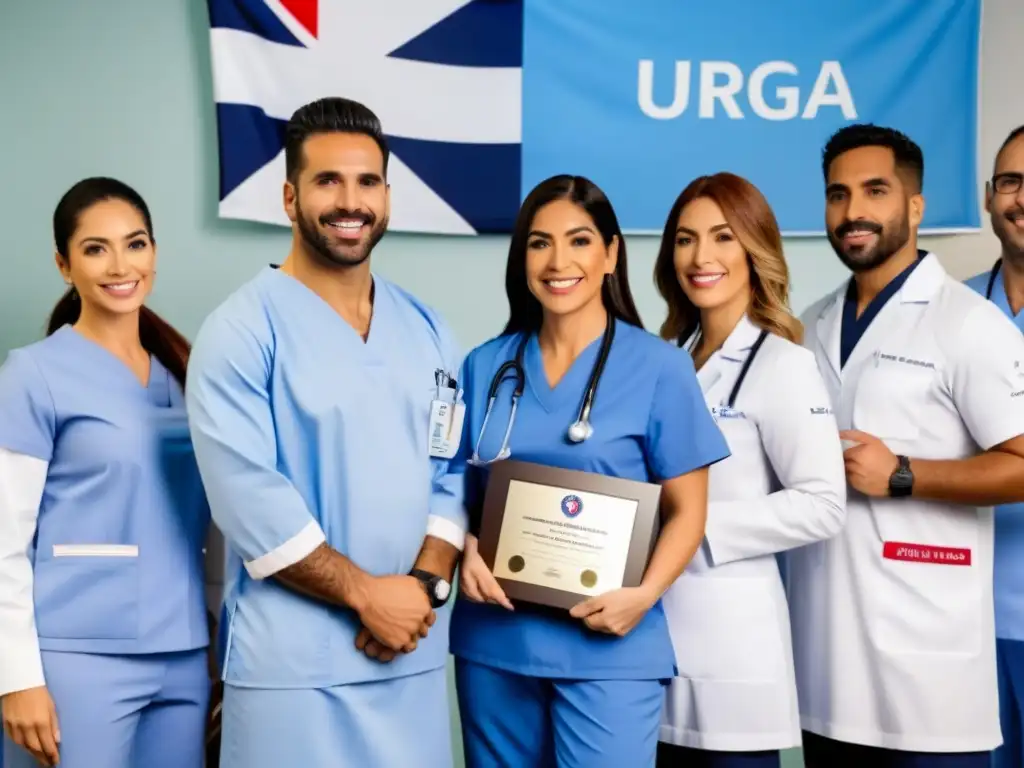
(445, 428)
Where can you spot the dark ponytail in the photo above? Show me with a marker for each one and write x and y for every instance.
(158, 337)
(66, 311)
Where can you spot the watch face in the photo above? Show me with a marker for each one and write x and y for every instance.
(901, 482)
(441, 589)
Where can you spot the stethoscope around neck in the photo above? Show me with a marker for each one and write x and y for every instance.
(579, 431)
(731, 402)
(992, 278)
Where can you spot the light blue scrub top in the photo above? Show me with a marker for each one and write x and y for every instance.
(650, 424)
(121, 472)
(1008, 554)
(299, 425)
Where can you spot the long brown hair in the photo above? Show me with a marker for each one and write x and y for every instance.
(752, 221)
(158, 337)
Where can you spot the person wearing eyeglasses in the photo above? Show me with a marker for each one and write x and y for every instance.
(593, 392)
(1003, 284)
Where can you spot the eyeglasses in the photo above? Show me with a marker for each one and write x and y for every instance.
(1007, 183)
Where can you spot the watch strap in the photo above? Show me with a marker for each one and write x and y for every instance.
(430, 582)
(901, 482)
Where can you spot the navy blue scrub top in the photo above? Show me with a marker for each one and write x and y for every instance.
(853, 327)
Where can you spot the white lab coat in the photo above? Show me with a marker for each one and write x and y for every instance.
(22, 481)
(783, 486)
(898, 653)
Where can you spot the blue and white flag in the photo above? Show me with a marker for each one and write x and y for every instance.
(481, 99)
(442, 75)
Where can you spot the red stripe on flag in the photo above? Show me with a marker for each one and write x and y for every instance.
(305, 12)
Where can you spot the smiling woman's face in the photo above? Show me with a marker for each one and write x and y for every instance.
(566, 259)
(711, 264)
(111, 258)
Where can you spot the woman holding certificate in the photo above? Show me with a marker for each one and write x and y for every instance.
(575, 383)
(722, 272)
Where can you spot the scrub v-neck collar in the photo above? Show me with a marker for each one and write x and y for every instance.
(1000, 299)
(156, 390)
(371, 346)
(571, 386)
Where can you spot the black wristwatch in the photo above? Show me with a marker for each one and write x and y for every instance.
(901, 482)
(437, 588)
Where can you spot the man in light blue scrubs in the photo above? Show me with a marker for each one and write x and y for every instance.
(1004, 285)
(324, 406)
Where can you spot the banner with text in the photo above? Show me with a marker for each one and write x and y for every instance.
(644, 97)
(482, 99)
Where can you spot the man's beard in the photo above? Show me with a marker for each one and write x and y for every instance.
(1009, 234)
(329, 251)
(890, 239)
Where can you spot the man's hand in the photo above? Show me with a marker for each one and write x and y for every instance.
(373, 648)
(30, 721)
(368, 644)
(396, 611)
(870, 464)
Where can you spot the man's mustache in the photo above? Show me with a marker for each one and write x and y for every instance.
(857, 226)
(340, 214)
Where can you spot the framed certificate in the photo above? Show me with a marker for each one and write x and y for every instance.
(555, 537)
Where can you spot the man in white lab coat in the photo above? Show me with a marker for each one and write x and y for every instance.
(1003, 285)
(892, 619)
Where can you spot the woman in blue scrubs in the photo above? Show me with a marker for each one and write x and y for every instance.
(583, 689)
(103, 518)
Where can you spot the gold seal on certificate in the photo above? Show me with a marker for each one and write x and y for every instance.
(555, 537)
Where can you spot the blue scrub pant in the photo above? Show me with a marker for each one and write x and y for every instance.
(125, 711)
(400, 722)
(820, 752)
(674, 756)
(514, 721)
(1010, 658)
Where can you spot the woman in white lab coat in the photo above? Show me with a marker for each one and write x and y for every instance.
(722, 272)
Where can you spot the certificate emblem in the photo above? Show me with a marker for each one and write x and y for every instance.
(572, 505)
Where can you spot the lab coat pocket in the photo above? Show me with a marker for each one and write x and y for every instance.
(928, 594)
(892, 399)
(88, 592)
(725, 629)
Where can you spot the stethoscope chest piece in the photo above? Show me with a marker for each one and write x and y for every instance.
(580, 431)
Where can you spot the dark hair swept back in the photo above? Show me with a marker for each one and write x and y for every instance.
(525, 312)
(158, 337)
(908, 157)
(329, 115)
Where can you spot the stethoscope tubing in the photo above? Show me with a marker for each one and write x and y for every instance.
(580, 429)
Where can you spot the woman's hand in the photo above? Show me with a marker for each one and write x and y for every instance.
(30, 721)
(476, 581)
(616, 612)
